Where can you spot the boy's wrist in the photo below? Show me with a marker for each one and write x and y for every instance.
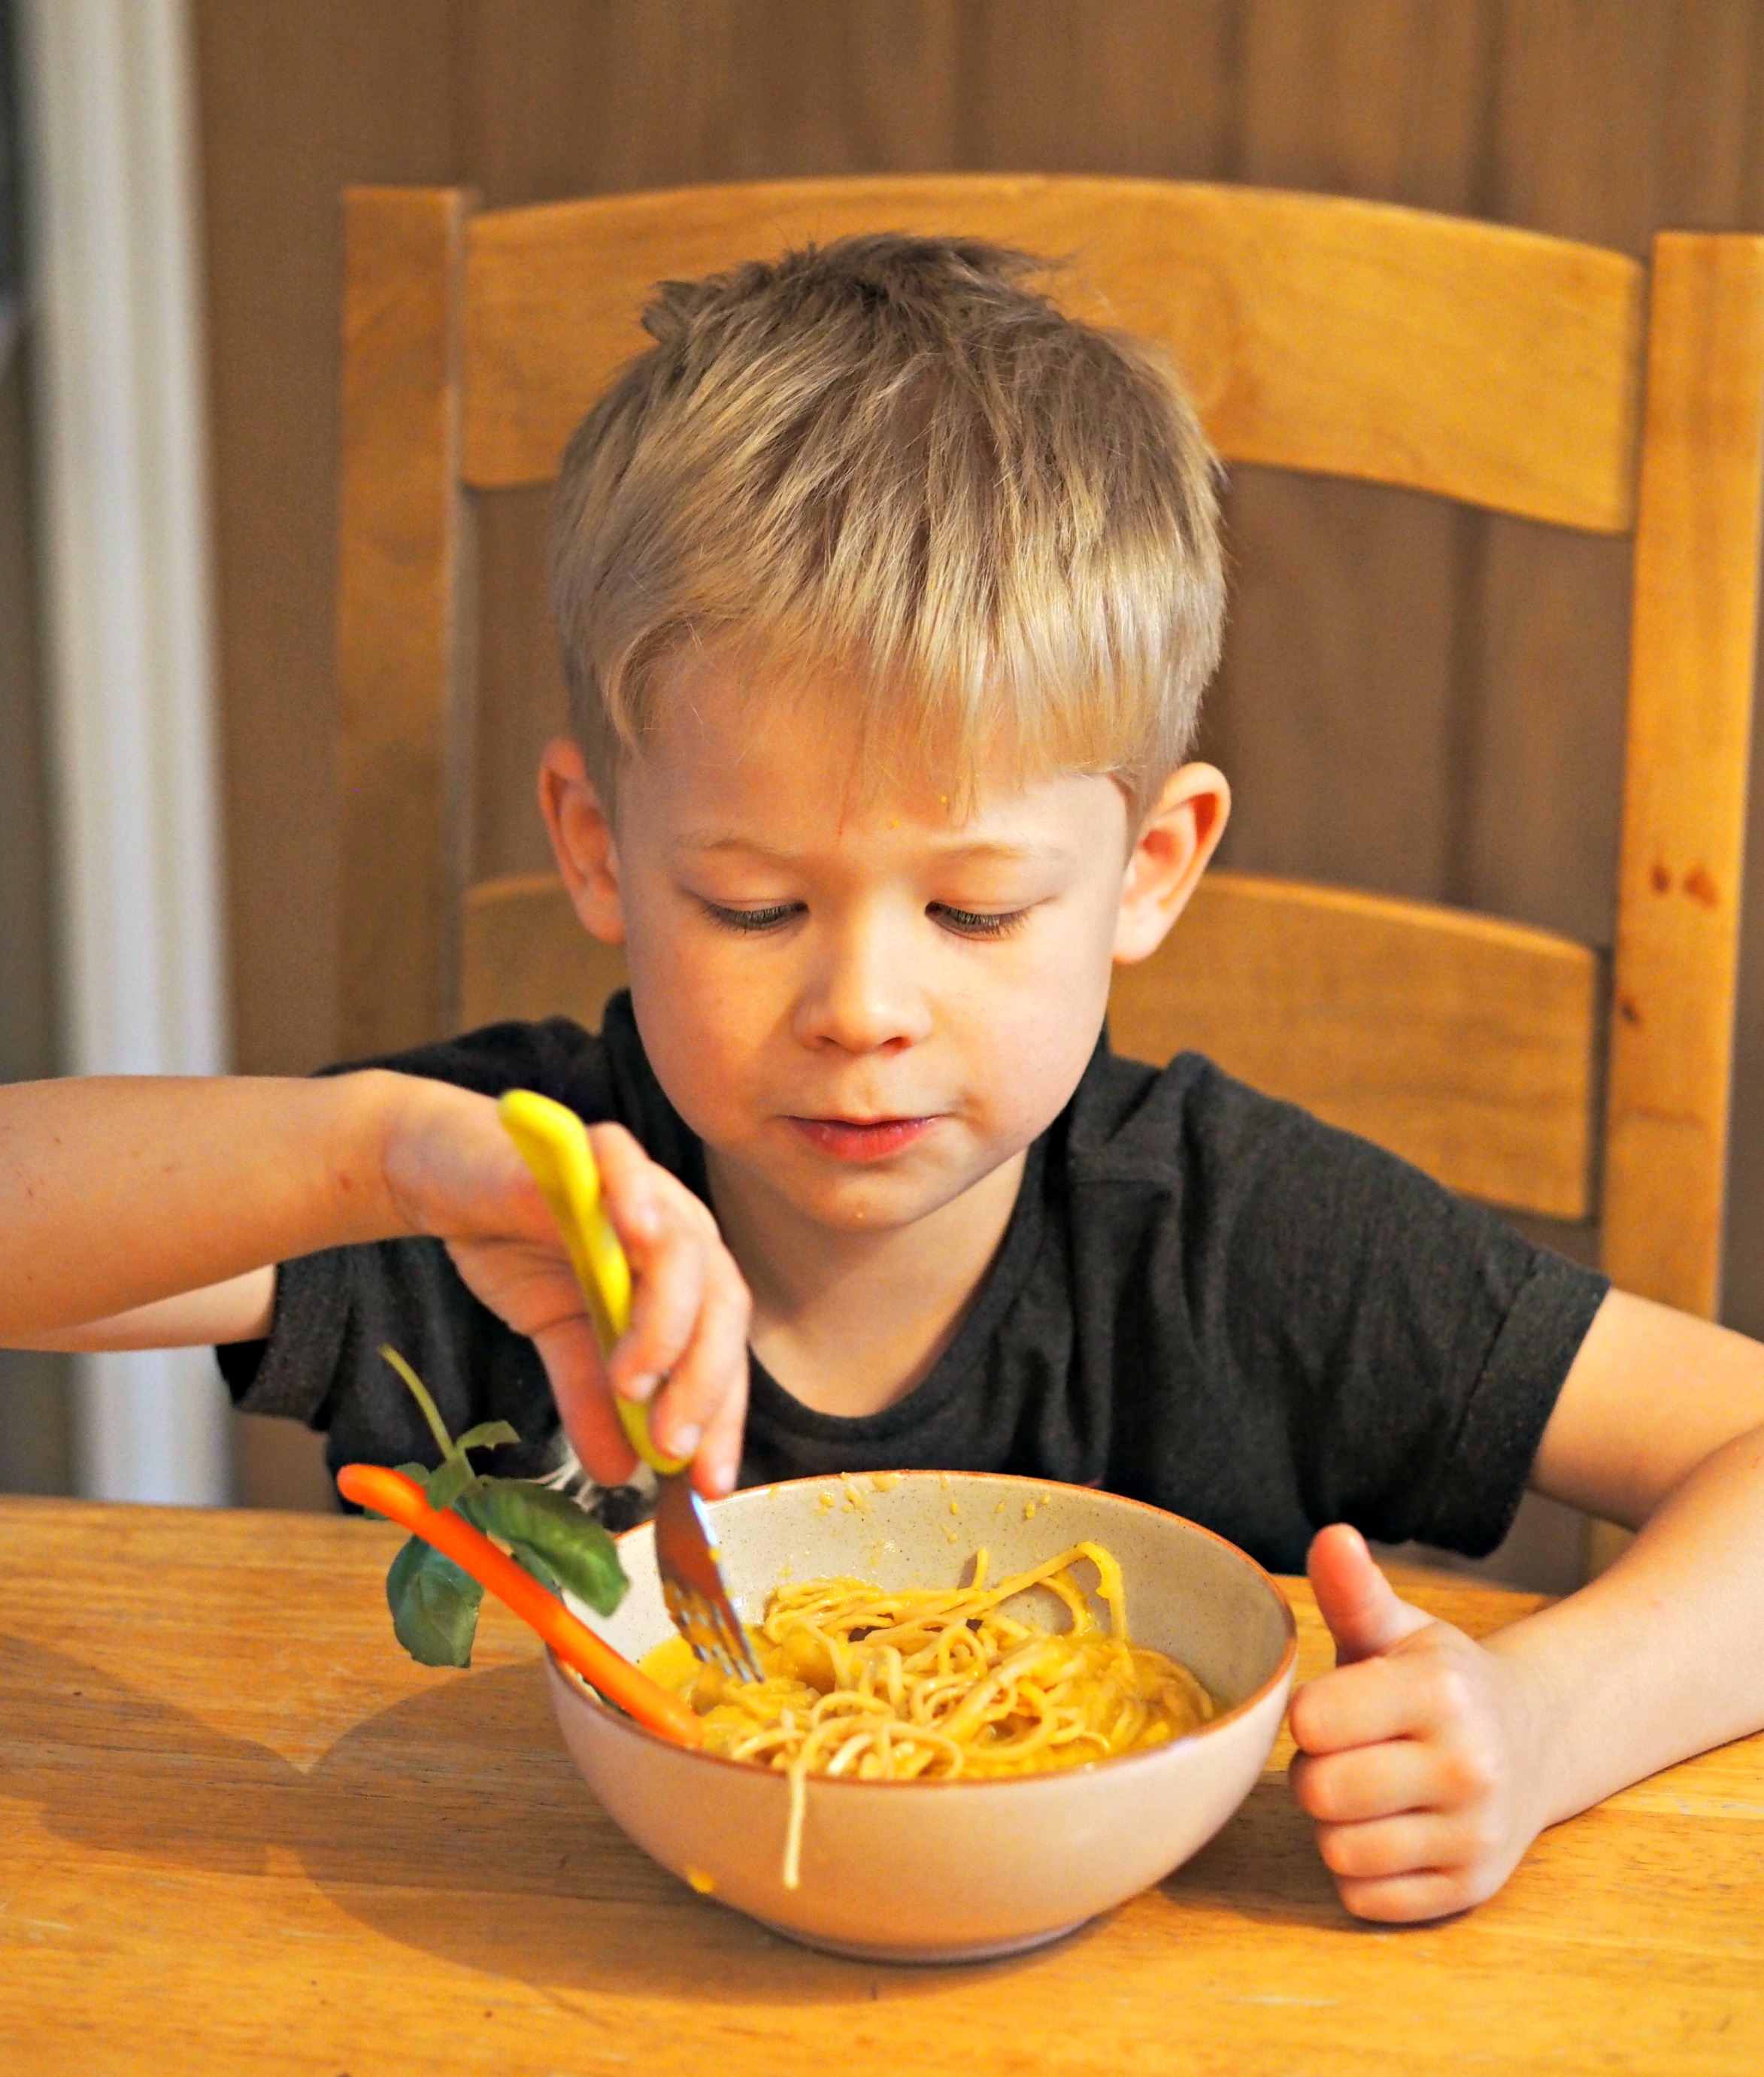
(374, 1117)
(1557, 1683)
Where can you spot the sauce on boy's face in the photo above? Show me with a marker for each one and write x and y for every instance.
(861, 1007)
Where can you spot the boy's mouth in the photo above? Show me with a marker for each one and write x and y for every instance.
(861, 1139)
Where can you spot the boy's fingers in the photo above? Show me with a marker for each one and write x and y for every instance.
(1365, 1704)
(1417, 1842)
(669, 1269)
(714, 1367)
(672, 1242)
(665, 1312)
(1367, 1781)
(1411, 1900)
(631, 1181)
(689, 1313)
(572, 1364)
(718, 1462)
(1362, 1608)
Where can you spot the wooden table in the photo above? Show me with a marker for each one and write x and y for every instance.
(240, 1831)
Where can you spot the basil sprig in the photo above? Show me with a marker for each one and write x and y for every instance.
(434, 1604)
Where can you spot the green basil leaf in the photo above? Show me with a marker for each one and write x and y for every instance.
(551, 1526)
(486, 1436)
(447, 1481)
(434, 1605)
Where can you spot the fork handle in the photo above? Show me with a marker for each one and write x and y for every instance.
(553, 1142)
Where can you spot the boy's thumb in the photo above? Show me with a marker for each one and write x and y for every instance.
(1356, 1600)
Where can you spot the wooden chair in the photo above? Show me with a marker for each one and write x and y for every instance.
(1517, 372)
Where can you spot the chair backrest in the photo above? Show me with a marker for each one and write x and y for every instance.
(1516, 372)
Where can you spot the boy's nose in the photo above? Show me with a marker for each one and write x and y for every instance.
(863, 996)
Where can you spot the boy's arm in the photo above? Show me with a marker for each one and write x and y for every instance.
(237, 1310)
(1431, 1762)
(119, 1191)
(1660, 1426)
(139, 1212)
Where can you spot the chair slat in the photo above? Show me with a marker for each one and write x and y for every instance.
(1464, 1044)
(1358, 338)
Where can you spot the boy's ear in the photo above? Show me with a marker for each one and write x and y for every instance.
(1174, 843)
(582, 840)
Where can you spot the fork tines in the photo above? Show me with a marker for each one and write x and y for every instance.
(719, 1641)
(693, 1586)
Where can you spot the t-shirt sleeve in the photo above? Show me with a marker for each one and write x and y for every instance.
(321, 1362)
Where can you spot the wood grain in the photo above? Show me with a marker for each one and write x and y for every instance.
(1347, 648)
(295, 103)
(1691, 659)
(526, 955)
(1339, 336)
(1463, 1043)
(562, 96)
(521, 702)
(240, 1831)
(402, 613)
(1155, 94)
(1343, 656)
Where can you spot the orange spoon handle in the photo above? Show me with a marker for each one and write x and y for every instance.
(402, 1501)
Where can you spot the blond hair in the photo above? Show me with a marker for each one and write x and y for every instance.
(892, 465)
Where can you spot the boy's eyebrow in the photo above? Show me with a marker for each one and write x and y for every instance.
(988, 851)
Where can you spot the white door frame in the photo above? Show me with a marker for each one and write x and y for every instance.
(118, 428)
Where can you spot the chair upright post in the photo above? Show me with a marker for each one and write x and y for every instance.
(1693, 633)
(404, 652)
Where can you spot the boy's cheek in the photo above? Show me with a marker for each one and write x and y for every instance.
(1009, 1038)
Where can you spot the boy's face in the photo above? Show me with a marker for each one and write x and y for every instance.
(861, 1006)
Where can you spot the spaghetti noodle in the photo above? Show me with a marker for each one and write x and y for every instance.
(937, 1684)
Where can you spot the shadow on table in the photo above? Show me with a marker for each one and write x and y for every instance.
(1263, 1866)
(452, 1823)
(115, 1771)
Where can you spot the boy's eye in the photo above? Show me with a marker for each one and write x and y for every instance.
(976, 923)
(751, 920)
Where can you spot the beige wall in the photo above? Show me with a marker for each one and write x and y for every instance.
(1416, 699)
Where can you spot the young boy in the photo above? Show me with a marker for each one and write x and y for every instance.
(887, 596)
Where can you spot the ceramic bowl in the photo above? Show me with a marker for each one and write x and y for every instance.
(954, 1871)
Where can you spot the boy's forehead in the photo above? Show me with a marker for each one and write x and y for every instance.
(729, 763)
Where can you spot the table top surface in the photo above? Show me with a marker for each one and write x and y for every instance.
(240, 1830)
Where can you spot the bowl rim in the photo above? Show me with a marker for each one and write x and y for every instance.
(1046, 1777)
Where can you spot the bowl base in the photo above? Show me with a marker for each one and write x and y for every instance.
(864, 1950)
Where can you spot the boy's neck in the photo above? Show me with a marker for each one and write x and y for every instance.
(848, 1322)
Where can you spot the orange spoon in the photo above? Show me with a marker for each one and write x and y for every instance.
(402, 1501)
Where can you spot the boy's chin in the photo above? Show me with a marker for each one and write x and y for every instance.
(876, 1197)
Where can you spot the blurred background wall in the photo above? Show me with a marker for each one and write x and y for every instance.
(1415, 699)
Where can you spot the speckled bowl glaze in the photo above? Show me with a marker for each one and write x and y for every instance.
(947, 1871)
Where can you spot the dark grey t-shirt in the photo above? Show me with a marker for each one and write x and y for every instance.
(1204, 1299)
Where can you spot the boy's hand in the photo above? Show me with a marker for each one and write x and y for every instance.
(1420, 1757)
(455, 1174)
